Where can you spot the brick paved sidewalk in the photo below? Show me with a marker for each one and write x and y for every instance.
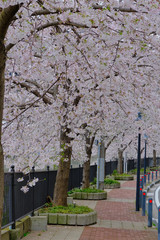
(117, 218)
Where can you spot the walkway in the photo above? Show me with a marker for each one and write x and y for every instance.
(117, 220)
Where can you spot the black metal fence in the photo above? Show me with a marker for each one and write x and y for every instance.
(18, 204)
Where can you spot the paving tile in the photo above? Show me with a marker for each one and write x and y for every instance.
(122, 193)
(117, 234)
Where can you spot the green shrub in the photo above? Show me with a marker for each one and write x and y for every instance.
(123, 175)
(115, 172)
(86, 190)
(70, 209)
(94, 181)
(110, 181)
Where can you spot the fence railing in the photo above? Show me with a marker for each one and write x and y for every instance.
(18, 204)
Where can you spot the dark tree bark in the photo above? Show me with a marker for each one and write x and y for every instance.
(86, 165)
(62, 178)
(120, 165)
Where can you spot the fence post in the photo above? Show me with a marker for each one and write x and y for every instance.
(144, 203)
(152, 176)
(150, 212)
(148, 177)
(33, 170)
(13, 199)
(79, 176)
(71, 176)
(158, 223)
(47, 180)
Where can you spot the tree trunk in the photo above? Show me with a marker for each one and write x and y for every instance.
(5, 19)
(86, 174)
(86, 165)
(154, 158)
(120, 165)
(2, 82)
(62, 178)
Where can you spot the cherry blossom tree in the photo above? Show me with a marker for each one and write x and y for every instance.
(69, 64)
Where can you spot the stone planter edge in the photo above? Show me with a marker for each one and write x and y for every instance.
(75, 219)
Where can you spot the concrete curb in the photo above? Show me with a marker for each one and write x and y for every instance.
(124, 178)
(112, 186)
(89, 196)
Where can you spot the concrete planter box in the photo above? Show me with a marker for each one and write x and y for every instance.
(62, 219)
(26, 224)
(84, 195)
(20, 226)
(124, 178)
(71, 195)
(91, 196)
(15, 234)
(69, 200)
(72, 219)
(44, 214)
(78, 195)
(39, 223)
(112, 186)
(5, 234)
(52, 218)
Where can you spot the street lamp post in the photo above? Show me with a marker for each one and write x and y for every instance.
(145, 150)
(138, 172)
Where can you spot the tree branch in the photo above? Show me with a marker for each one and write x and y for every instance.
(6, 17)
(31, 105)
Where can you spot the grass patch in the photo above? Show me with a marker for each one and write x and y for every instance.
(123, 175)
(110, 181)
(70, 209)
(85, 190)
(107, 180)
(115, 173)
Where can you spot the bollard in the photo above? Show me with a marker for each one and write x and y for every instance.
(142, 182)
(156, 174)
(158, 223)
(143, 203)
(144, 179)
(148, 177)
(140, 199)
(150, 212)
(152, 176)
